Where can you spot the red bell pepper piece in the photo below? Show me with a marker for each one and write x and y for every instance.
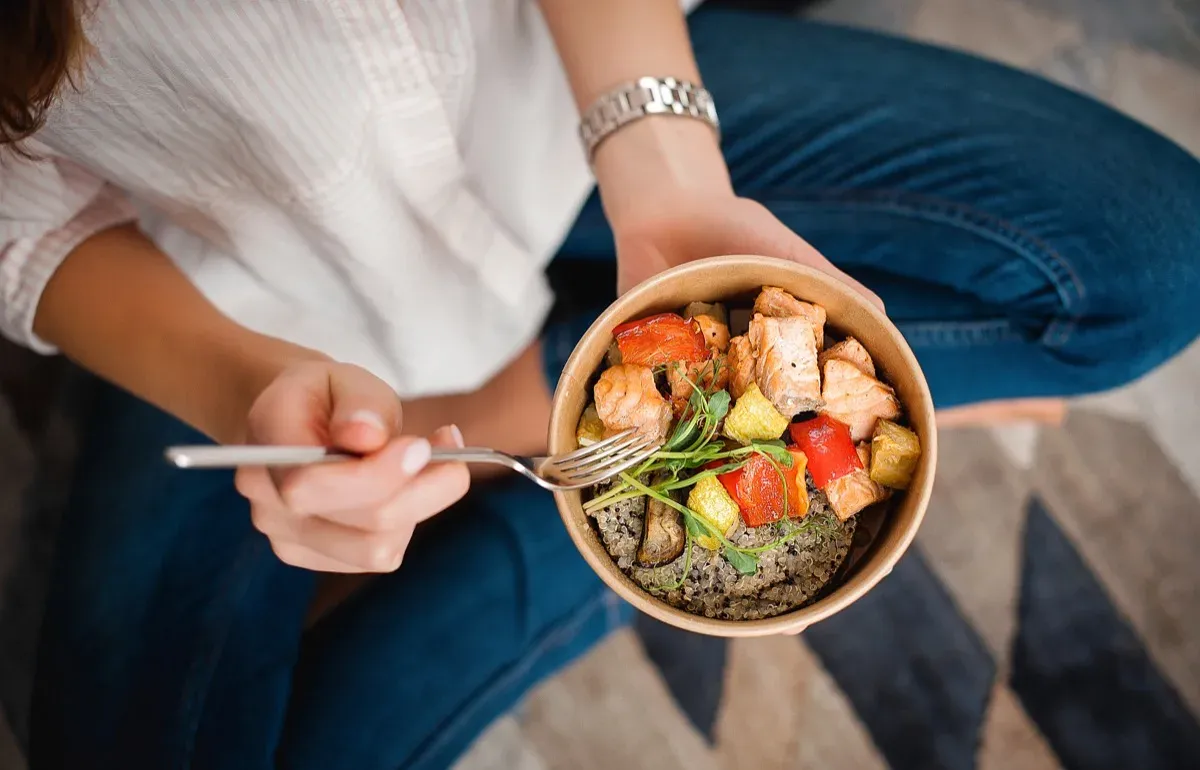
(661, 339)
(760, 492)
(758, 489)
(827, 444)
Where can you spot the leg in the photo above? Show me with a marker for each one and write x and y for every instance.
(171, 628)
(1028, 241)
(491, 599)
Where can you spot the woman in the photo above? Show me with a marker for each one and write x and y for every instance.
(262, 222)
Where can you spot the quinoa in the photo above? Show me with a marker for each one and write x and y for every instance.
(788, 576)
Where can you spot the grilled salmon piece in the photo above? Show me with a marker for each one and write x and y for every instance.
(740, 363)
(714, 324)
(716, 332)
(626, 397)
(853, 492)
(774, 302)
(710, 376)
(856, 398)
(785, 363)
(851, 351)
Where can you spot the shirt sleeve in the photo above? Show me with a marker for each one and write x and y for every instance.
(48, 206)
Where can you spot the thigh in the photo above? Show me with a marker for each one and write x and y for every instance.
(492, 598)
(1026, 239)
(171, 628)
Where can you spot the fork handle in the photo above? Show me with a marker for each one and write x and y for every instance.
(234, 456)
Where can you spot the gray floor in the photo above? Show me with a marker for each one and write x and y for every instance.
(1144, 57)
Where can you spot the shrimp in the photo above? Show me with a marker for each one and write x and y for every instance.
(626, 397)
(710, 376)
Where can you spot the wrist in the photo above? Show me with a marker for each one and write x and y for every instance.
(252, 361)
(646, 164)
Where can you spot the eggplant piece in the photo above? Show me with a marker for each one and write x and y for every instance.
(613, 356)
(662, 535)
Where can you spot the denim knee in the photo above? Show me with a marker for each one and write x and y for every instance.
(1142, 281)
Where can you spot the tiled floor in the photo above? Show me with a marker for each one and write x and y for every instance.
(1117, 489)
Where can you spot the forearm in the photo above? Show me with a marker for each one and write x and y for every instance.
(121, 309)
(604, 44)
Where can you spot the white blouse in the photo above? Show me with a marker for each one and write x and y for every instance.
(383, 181)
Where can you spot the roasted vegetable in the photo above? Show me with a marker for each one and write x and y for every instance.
(661, 339)
(754, 418)
(711, 502)
(829, 449)
(758, 489)
(590, 429)
(895, 451)
(662, 535)
(613, 356)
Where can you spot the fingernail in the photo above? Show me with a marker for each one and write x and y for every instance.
(416, 457)
(367, 417)
(457, 437)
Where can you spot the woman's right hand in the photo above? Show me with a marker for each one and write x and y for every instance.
(353, 516)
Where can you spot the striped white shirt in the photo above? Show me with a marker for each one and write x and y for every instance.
(380, 180)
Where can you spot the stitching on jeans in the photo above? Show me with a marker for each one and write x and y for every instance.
(1058, 271)
(960, 333)
(558, 635)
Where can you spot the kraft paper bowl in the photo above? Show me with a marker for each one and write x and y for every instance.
(739, 278)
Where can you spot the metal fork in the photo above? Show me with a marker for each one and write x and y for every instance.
(576, 470)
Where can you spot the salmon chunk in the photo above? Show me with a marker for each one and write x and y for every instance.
(711, 376)
(853, 492)
(740, 363)
(857, 398)
(715, 331)
(851, 351)
(774, 302)
(785, 363)
(626, 397)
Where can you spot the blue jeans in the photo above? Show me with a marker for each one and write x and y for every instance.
(1027, 240)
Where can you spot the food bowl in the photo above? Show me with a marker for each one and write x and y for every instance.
(849, 313)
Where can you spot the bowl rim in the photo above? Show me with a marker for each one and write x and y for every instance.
(796, 620)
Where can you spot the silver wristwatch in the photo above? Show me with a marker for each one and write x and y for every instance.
(647, 96)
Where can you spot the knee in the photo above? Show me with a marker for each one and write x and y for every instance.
(1141, 302)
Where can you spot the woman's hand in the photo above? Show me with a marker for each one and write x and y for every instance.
(354, 516)
(688, 227)
(668, 197)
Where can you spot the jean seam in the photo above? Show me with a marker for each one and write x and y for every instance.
(1057, 269)
(557, 635)
(960, 333)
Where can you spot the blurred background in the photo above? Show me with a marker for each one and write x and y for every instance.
(1049, 616)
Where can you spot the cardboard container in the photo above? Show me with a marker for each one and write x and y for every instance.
(739, 278)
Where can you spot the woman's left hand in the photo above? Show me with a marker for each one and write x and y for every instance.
(668, 196)
(690, 227)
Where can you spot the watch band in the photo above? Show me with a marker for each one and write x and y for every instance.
(647, 96)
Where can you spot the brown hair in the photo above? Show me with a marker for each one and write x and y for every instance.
(41, 42)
